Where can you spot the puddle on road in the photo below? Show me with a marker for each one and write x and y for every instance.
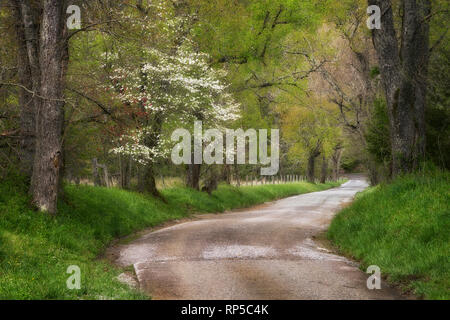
(237, 251)
(311, 254)
(307, 250)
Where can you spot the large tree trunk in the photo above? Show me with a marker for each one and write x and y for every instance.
(404, 75)
(50, 115)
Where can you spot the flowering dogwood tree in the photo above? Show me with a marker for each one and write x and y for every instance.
(165, 87)
(162, 84)
(179, 88)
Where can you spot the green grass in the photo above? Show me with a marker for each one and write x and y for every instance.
(36, 249)
(404, 228)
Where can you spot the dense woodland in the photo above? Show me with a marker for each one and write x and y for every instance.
(98, 104)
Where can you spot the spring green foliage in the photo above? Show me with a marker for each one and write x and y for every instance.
(251, 39)
(311, 130)
(403, 228)
(36, 249)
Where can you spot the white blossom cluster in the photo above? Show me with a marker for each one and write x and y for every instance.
(176, 85)
(131, 146)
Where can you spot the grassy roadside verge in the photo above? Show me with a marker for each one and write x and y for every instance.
(404, 228)
(35, 249)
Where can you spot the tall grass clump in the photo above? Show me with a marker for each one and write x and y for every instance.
(404, 228)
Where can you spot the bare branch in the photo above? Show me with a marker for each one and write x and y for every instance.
(30, 91)
(87, 28)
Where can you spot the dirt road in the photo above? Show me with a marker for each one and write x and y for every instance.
(262, 253)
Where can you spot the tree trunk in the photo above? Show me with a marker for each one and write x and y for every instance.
(140, 178)
(150, 182)
(50, 116)
(125, 168)
(324, 172)
(226, 173)
(211, 180)
(237, 176)
(146, 181)
(95, 173)
(404, 76)
(311, 168)
(193, 176)
(336, 159)
(26, 103)
(31, 28)
(373, 173)
(106, 178)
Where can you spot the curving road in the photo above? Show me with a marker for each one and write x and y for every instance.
(261, 253)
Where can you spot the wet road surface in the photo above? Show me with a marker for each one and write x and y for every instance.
(263, 253)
